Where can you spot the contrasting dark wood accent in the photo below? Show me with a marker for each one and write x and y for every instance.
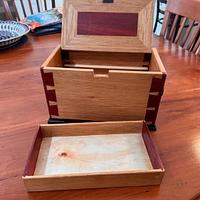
(48, 78)
(151, 148)
(107, 23)
(33, 155)
(108, 1)
(157, 86)
(50, 94)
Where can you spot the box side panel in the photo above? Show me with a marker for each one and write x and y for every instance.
(92, 128)
(54, 59)
(100, 95)
(93, 181)
(33, 155)
(151, 149)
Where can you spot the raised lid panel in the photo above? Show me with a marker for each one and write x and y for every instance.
(121, 26)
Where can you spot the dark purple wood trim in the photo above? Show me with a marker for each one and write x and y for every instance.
(51, 95)
(147, 57)
(157, 85)
(151, 148)
(107, 23)
(33, 155)
(47, 79)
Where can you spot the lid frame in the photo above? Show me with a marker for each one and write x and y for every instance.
(70, 40)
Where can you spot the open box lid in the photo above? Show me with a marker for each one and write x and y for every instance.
(107, 25)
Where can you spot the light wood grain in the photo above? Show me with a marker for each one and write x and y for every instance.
(134, 68)
(93, 160)
(99, 90)
(80, 155)
(97, 127)
(141, 43)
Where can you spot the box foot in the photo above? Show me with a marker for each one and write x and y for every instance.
(152, 127)
(61, 121)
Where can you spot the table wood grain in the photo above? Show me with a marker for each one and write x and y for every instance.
(23, 107)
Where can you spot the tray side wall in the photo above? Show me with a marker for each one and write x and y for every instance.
(93, 181)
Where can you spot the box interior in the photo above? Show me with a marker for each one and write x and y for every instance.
(89, 148)
(92, 154)
(105, 60)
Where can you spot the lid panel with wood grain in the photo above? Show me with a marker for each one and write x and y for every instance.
(119, 26)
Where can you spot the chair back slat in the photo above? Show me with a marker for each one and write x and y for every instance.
(23, 8)
(16, 11)
(197, 45)
(187, 33)
(53, 3)
(7, 9)
(180, 30)
(38, 6)
(173, 27)
(165, 23)
(194, 36)
(30, 6)
(45, 4)
(185, 11)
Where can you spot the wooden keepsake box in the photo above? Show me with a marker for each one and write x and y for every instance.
(92, 155)
(105, 68)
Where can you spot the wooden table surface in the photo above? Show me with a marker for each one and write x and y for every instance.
(23, 107)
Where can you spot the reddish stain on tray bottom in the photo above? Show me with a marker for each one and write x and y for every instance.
(63, 154)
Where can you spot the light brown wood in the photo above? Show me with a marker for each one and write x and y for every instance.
(165, 23)
(141, 43)
(156, 63)
(50, 130)
(173, 27)
(99, 89)
(197, 45)
(180, 30)
(53, 154)
(134, 68)
(185, 37)
(102, 181)
(89, 154)
(192, 39)
(186, 10)
(105, 58)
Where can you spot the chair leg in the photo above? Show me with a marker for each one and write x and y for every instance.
(157, 17)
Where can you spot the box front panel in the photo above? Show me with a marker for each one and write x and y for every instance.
(100, 95)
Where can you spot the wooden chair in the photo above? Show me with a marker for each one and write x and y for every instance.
(26, 6)
(185, 14)
(159, 11)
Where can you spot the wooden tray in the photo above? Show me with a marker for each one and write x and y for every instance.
(92, 155)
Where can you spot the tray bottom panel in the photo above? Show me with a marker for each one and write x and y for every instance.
(92, 154)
